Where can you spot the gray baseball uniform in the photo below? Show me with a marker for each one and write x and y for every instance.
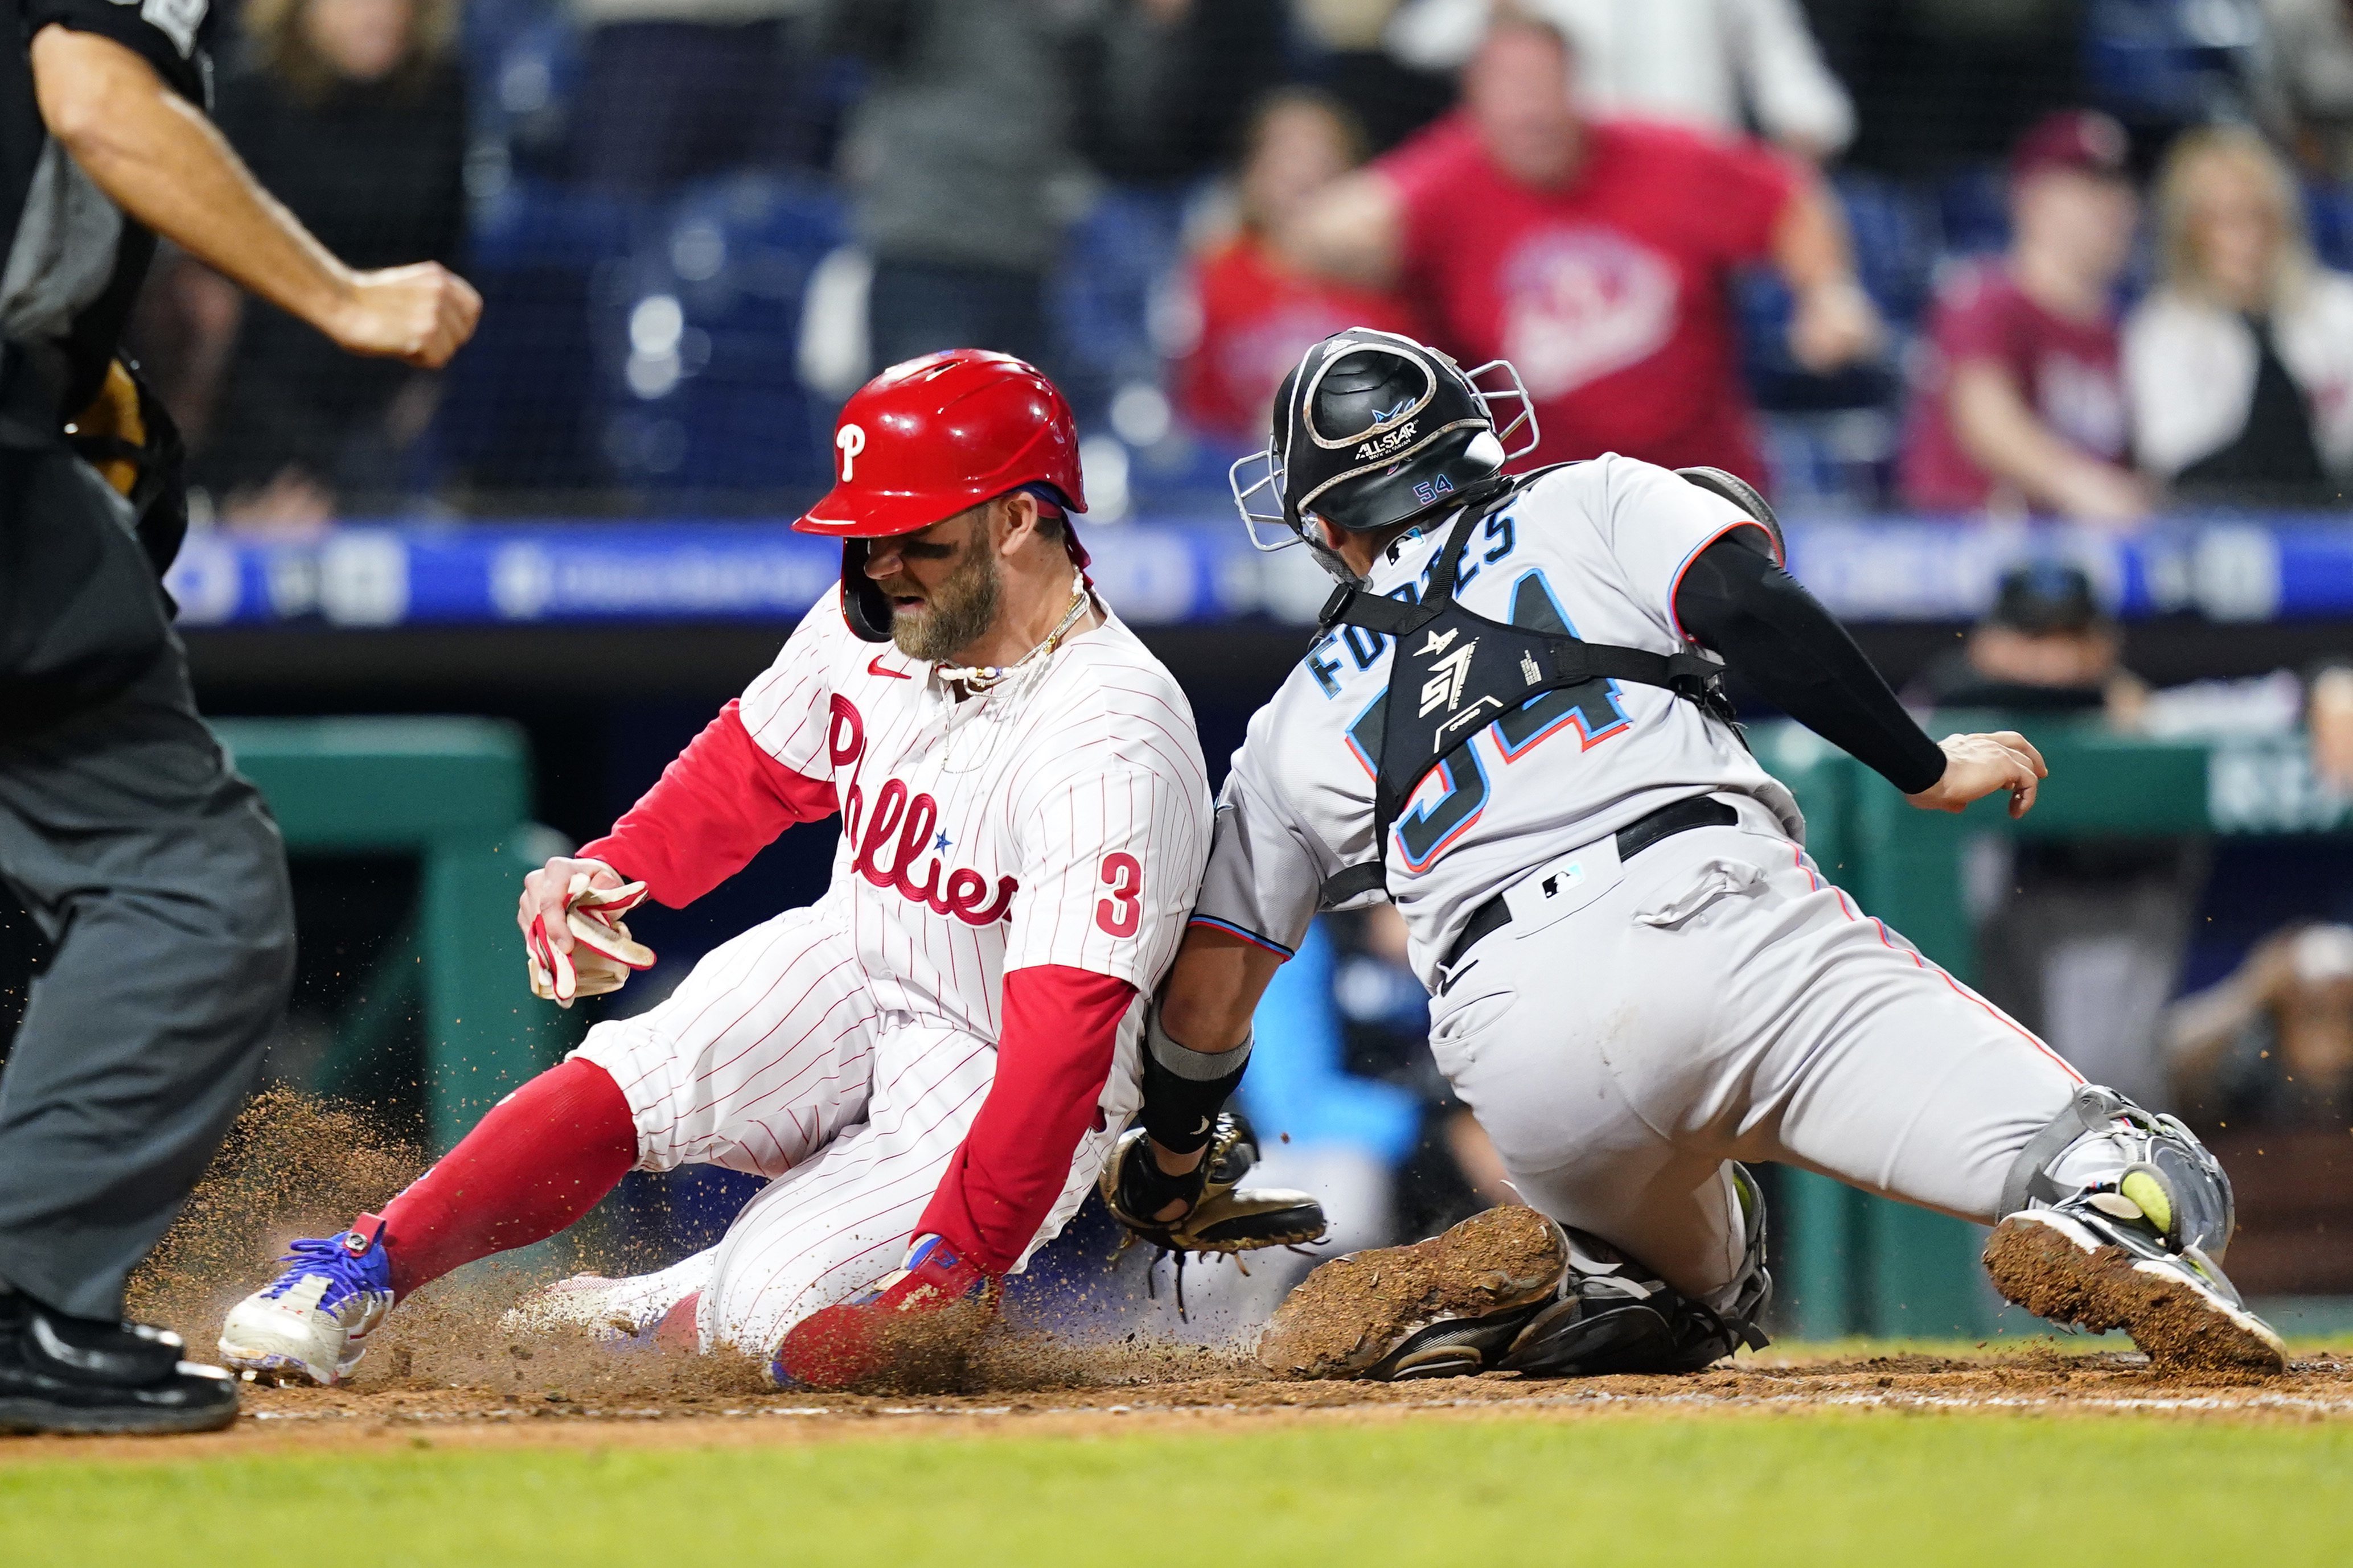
(1638, 1023)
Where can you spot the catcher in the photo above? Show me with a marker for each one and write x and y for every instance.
(1512, 727)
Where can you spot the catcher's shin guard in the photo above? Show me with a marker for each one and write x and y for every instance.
(1612, 1315)
(1223, 1216)
(2103, 1144)
(2114, 1219)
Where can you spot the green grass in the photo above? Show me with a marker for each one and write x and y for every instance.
(1820, 1491)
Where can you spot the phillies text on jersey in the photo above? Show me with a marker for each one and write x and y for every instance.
(1059, 818)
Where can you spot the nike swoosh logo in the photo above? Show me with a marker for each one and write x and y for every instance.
(874, 667)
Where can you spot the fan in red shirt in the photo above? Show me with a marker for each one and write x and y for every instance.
(1258, 312)
(1593, 256)
(2022, 404)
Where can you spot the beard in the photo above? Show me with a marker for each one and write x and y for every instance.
(960, 610)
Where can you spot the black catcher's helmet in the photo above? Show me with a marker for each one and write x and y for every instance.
(1371, 429)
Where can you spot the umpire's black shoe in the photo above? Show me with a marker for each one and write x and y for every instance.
(71, 1374)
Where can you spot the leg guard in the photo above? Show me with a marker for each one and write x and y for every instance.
(2127, 1162)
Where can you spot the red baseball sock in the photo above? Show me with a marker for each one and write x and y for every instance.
(544, 1156)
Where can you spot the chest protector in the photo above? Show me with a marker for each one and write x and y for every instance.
(1454, 671)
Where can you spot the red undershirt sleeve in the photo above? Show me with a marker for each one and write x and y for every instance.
(1054, 1057)
(719, 803)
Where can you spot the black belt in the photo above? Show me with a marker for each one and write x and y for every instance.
(1698, 811)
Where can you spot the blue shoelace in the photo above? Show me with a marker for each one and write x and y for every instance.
(327, 1254)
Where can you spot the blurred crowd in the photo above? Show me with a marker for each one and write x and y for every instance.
(2072, 258)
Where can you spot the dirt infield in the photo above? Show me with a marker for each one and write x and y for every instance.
(563, 1398)
(446, 1370)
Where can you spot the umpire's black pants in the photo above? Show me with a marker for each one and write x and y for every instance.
(160, 877)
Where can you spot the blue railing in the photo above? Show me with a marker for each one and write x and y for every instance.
(1173, 570)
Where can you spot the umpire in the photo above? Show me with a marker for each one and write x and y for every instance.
(152, 868)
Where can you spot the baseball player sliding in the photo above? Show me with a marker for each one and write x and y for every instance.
(1511, 726)
(934, 1060)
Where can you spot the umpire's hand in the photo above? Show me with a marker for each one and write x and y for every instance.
(421, 313)
(1977, 765)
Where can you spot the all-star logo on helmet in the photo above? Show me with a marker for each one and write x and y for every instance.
(1371, 429)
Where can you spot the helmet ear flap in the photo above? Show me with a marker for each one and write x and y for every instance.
(863, 605)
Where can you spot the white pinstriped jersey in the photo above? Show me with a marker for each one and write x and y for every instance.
(1061, 818)
(1593, 549)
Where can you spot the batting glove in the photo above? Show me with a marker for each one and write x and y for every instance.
(603, 954)
(906, 1315)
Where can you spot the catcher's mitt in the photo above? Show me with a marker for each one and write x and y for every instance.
(603, 953)
(1224, 1217)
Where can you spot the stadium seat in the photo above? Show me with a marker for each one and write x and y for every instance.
(1117, 262)
(2172, 62)
(2328, 209)
(695, 334)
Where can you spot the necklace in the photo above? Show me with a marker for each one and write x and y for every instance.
(979, 678)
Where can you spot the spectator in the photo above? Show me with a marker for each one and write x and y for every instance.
(954, 158)
(2045, 648)
(1593, 255)
(708, 86)
(2020, 406)
(352, 112)
(1257, 313)
(1716, 64)
(2239, 365)
(2271, 1045)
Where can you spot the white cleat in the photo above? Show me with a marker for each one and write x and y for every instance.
(2075, 1264)
(311, 1324)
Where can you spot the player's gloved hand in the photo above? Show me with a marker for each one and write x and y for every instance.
(936, 1302)
(1221, 1215)
(600, 954)
(1979, 765)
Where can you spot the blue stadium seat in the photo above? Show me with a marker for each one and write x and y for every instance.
(2180, 62)
(696, 333)
(1896, 234)
(1973, 212)
(2328, 209)
(524, 67)
(1116, 261)
(514, 413)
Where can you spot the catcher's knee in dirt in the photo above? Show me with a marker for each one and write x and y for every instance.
(2102, 1144)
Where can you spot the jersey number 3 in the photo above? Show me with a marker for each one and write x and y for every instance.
(1120, 914)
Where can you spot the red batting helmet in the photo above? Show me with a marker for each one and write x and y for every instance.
(925, 440)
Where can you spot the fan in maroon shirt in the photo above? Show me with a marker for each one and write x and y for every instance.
(2020, 408)
(1593, 256)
